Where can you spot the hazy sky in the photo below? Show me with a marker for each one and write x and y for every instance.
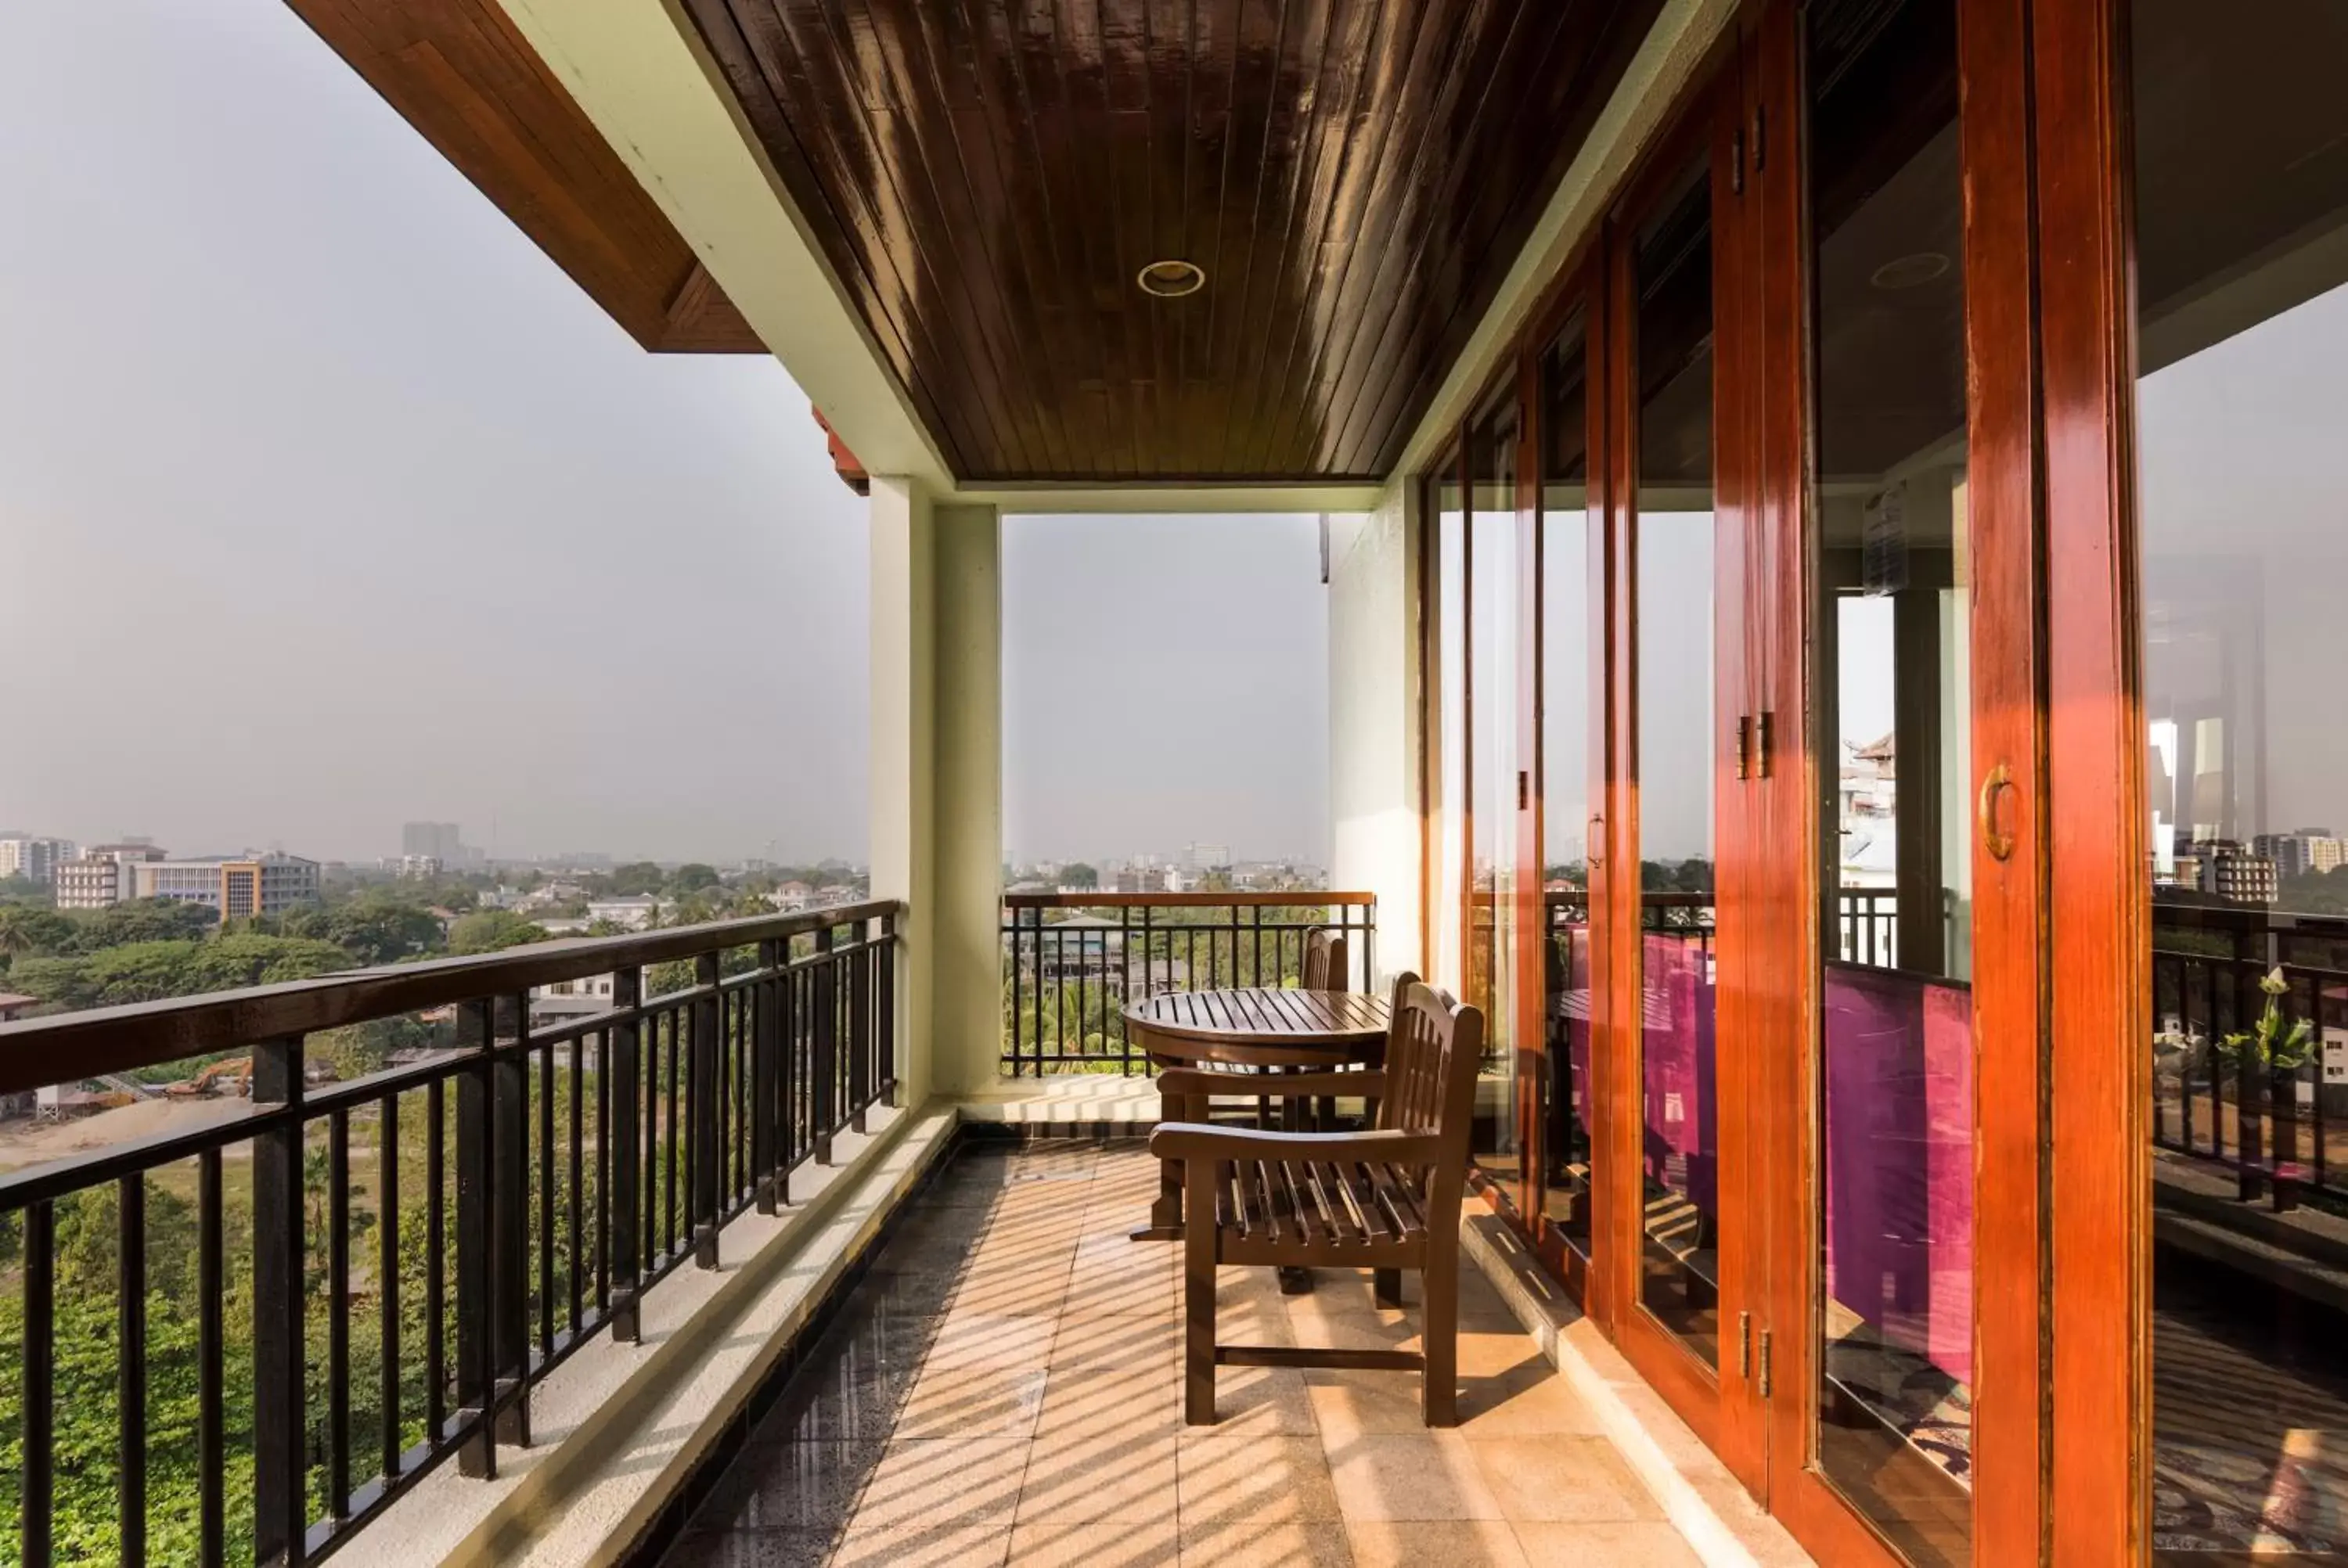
(1165, 680)
(328, 502)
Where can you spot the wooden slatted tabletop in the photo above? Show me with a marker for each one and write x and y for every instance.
(1318, 1025)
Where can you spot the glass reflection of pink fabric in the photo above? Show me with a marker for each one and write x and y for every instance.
(1682, 1150)
(1899, 1160)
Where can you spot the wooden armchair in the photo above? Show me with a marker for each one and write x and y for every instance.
(1387, 1199)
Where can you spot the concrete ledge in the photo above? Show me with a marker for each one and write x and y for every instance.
(619, 1428)
(1699, 1496)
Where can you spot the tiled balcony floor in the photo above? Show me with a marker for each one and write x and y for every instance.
(1005, 1386)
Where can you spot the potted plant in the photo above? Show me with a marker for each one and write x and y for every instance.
(2274, 1050)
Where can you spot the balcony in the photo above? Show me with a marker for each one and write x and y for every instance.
(680, 1279)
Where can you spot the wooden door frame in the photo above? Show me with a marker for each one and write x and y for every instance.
(2099, 1222)
(2010, 957)
(1702, 1395)
(1578, 287)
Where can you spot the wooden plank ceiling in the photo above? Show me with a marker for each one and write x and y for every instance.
(988, 177)
(458, 72)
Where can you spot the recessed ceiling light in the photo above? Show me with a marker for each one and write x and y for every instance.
(1172, 279)
(1910, 271)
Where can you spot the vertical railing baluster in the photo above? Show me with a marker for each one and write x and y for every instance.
(624, 1077)
(279, 1424)
(510, 1220)
(824, 1070)
(603, 1171)
(860, 1028)
(476, 1376)
(435, 1265)
(386, 1277)
(1018, 983)
(701, 1048)
(542, 1170)
(36, 1505)
(678, 1130)
(765, 1046)
(338, 1315)
(211, 1448)
(575, 1268)
(130, 1371)
(885, 1038)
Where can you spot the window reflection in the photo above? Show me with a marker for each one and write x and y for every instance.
(2241, 253)
(1492, 596)
(1565, 1088)
(1894, 704)
(1674, 596)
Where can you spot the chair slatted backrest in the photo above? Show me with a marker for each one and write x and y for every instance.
(1432, 1054)
(1324, 960)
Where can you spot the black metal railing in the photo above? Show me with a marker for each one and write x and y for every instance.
(272, 1388)
(1071, 962)
(2278, 1127)
(1868, 922)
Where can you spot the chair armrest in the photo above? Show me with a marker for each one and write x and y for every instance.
(1370, 1082)
(1198, 1141)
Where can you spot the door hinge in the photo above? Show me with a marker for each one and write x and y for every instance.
(1744, 746)
(1744, 1344)
(1524, 789)
(1737, 163)
(1763, 735)
(1765, 1363)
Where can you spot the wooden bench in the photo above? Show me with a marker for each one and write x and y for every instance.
(1385, 1199)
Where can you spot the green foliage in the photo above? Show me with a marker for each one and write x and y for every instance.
(637, 877)
(372, 929)
(1079, 875)
(693, 877)
(154, 970)
(141, 920)
(492, 931)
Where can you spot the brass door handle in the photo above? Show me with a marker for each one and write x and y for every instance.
(1999, 843)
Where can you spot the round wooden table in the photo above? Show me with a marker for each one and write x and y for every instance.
(1262, 1027)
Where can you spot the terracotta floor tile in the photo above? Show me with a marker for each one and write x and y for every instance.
(1266, 1543)
(1652, 1544)
(1113, 1339)
(1557, 1479)
(1012, 1292)
(972, 1402)
(995, 1340)
(924, 1546)
(1266, 1401)
(952, 1481)
(1242, 1477)
(1420, 1476)
(1127, 1544)
(1087, 1480)
(1422, 1544)
(1099, 1404)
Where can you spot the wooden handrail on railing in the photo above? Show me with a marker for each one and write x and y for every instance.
(527, 1184)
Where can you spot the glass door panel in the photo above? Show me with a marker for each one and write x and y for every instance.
(2240, 203)
(1565, 1089)
(1490, 973)
(1674, 599)
(1449, 901)
(1893, 1332)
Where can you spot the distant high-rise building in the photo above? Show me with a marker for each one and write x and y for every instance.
(34, 858)
(438, 839)
(103, 874)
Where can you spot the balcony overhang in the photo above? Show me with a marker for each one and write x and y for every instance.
(460, 74)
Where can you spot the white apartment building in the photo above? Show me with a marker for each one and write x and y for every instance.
(103, 874)
(34, 858)
(634, 913)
